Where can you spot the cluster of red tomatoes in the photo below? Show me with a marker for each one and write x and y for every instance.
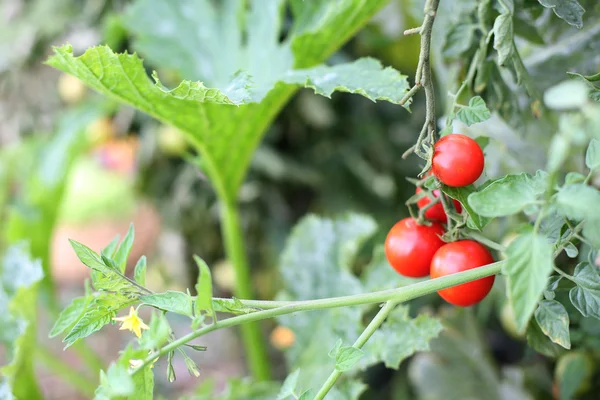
(416, 251)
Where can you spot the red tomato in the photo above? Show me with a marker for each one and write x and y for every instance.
(457, 160)
(457, 257)
(409, 247)
(436, 212)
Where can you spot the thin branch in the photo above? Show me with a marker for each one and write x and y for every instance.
(398, 295)
(359, 343)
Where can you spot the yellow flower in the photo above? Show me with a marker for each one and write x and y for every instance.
(132, 322)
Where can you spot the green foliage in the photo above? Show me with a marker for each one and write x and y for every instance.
(586, 295)
(157, 334)
(568, 10)
(204, 289)
(19, 277)
(316, 264)
(553, 319)
(528, 266)
(175, 302)
(115, 383)
(475, 112)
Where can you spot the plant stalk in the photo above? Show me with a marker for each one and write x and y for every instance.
(252, 338)
(398, 295)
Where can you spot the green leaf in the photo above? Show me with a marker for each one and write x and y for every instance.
(204, 289)
(594, 93)
(307, 395)
(139, 273)
(157, 333)
(508, 195)
(572, 372)
(537, 340)
(175, 302)
(124, 249)
(115, 383)
(459, 39)
(568, 10)
(586, 295)
(574, 177)
(289, 385)
(316, 263)
(109, 250)
(90, 258)
(503, 37)
(365, 76)
(592, 155)
(70, 315)
(99, 313)
(232, 306)
(553, 319)
(345, 357)
(578, 201)
(475, 112)
(400, 337)
(571, 250)
(459, 365)
(462, 195)
(566, 95)
(235, 37)
(591, 231)
(143, 382)
(529, 264)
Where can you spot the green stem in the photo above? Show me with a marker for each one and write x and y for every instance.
(398, 295)
(71, 377)
(489, 243)
(359, 343)
(254, 342)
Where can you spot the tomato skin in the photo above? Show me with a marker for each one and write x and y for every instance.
(436, 212)
(461, 256)
(409, 247)
(457, 160)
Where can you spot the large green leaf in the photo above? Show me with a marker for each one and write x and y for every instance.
(553, 319)
(529, 264)
(568, 10)
(316, 264)
(459, 365)
(202, 40)
(586, 295)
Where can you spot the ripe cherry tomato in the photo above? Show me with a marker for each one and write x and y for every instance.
(409, 247)
(457, 160)
(436, 212)
(457, 257)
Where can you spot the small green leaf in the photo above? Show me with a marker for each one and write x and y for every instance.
(115, 383)
(347, 357)
(571, 250)
(578, 201)
(89, 257)
(537, 340)
(529, 264)
(157, 333)
(553, 319)
(591, 231)
(232, 306)
(338, 345)
(592, 155)
(586, 295)
(289, 385)
(462, 195)
(204, 290)
(574, 177)
(567, 95)
(508, 195)
(175, 302)
(109, 250)
(475, 112)
(459, 39)
(568, 10)
(70, 315)
(139, 273)
(124, 249)
(503, 37)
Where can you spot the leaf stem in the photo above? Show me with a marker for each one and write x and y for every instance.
(398, 295)
(254, 342)
(359, 343)
(489, 243)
